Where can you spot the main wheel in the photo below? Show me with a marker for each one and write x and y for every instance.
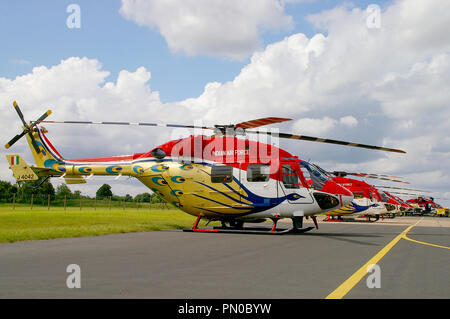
(237, 224)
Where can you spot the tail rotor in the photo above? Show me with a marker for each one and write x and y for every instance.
(27, 128)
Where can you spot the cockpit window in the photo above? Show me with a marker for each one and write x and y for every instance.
(290, 177)
(384, 197)
(314, 173)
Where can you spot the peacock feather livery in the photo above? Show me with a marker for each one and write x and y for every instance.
(195, 191)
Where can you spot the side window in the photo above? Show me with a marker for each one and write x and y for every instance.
(222, 174)
(258, 173)
(290, 178)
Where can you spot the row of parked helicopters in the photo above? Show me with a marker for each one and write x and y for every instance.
(223, 177)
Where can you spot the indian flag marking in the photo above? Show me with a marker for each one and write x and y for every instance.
(14, 160)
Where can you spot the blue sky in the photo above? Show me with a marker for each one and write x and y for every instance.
(34, 33)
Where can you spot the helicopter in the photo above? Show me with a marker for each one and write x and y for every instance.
(425, 204)
(221, 177)
(393, 204)
(402, 205)
(369, 201)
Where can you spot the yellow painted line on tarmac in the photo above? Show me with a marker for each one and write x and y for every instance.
(424, 243)
(351, 282)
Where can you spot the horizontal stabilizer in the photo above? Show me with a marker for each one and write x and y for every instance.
(43, 171)
(74, 179)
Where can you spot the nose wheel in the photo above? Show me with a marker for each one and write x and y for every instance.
(297, 225)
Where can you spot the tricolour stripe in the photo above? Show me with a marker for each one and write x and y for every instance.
(14, 160)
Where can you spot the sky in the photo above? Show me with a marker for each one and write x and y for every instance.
(373, 72)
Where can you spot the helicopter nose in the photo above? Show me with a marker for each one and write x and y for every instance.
(336, 189)
(345, 196)
(346, 199)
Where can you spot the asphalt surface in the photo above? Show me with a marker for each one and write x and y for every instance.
(176, 264)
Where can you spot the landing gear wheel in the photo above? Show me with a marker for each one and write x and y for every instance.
(297, 223)
(238, 224)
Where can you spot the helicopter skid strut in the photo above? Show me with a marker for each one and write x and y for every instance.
(248, 230)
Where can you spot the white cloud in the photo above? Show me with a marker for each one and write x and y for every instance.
(76, 89)
(229, 28)
(319, 127)
(315, 127)
(276, 82)
(348, 121)
(406, 95)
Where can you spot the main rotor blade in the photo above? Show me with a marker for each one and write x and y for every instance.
(15, 139)
(342, 174)
(329, 141)
(370, 174)
(127, 123)
(379, 176)
(363, 175)
(261, 122)
(241, 125)
(401, 188)
(244, 125)
(399, 193)
(382, 178)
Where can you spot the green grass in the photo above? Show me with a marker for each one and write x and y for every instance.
(39, 223)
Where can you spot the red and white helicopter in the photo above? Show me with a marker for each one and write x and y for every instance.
(224, 177)
(368, 200)
(426, 204)
(403, 205)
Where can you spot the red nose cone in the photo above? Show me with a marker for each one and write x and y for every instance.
(336, 189)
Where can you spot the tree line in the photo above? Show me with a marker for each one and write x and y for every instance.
(24, 190)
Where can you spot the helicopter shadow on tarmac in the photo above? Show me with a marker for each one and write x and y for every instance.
(265, 231)
(345, 237)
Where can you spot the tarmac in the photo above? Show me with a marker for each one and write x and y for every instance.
(176, 264)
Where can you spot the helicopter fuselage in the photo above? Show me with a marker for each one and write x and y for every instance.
(218, 178)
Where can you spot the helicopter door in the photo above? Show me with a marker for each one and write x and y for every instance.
(291, 184)
(255, 178)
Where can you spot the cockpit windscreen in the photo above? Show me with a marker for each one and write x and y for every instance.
(314, 173)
